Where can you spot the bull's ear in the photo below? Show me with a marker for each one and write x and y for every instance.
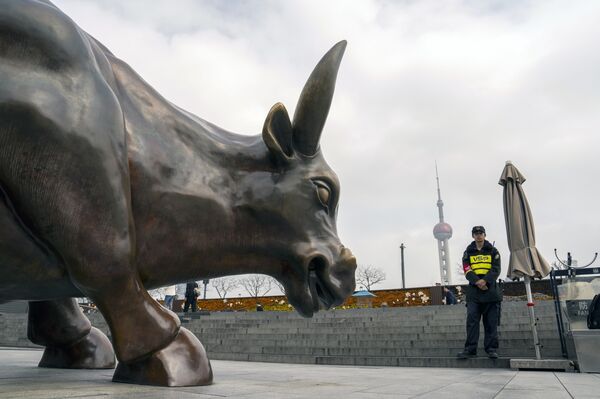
(315, 100)
(277, 133)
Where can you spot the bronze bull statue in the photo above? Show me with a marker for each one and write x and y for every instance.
(107, 190)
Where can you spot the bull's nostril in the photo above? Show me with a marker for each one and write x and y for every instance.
(318, 263)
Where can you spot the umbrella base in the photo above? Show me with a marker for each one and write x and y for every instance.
(543, 364)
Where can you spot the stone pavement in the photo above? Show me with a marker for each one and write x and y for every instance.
(21, 378)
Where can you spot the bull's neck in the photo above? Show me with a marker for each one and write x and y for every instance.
(218, 244)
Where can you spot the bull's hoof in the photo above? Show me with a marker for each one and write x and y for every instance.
(94, 351)
(182, 363)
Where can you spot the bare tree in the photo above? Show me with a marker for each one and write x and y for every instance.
(257, 284)
(460, 271)
(368, 276)
(157, 293)
(277, 284)
(559, 265)
(224, 285)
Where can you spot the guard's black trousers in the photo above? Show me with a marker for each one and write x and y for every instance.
(190, 300)
(490, 313)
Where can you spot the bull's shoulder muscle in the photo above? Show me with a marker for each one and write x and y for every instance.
(36, 34)
(52, 68)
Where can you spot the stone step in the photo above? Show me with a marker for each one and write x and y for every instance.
(506, 321)
(552, 346)
(400, 352)
(369, 329)
(417, 361)
(400, 343)
(406, 329)
(379, 333)
(450, 361)
(363, 324)
(395, 313)
(545, 308)
(368, 352)
(542, 334)
(440, 333)
(373, 314)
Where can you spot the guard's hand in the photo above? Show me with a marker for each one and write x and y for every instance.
(481, 284)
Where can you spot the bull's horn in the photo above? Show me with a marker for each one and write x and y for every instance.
(315, 100)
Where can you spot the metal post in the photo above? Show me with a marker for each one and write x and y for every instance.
(205, 282)
(532, 320)
(558, 312)
(402, 246)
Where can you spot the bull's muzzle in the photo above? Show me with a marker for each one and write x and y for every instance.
(330, 284)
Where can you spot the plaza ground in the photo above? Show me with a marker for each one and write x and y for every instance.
(21, 378)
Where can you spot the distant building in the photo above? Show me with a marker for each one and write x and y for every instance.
(442, 233)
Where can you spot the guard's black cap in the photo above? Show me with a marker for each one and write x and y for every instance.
(478, 229)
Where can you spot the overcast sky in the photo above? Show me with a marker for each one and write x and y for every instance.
(469, 84)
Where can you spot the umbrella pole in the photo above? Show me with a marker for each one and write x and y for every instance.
(530, 306)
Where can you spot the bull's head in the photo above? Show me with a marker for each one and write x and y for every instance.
(300, 198)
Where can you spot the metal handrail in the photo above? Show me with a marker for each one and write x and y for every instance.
(568, 264)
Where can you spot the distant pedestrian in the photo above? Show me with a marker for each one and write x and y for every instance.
(169, 297)
(191, 296)
(481, 263)
(449, 296)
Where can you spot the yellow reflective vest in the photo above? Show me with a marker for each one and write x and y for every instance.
(482, 264)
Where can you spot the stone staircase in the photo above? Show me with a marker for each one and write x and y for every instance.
(419, 336)
(424, 336)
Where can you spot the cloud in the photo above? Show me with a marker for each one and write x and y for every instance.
(469, 84)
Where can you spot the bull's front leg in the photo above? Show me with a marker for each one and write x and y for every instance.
(152, 347)
(69, 338)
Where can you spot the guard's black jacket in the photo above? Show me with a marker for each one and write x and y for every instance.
(482, 264)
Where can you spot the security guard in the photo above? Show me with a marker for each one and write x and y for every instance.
(481, 263)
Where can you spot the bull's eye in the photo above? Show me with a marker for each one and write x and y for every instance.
(323, 194)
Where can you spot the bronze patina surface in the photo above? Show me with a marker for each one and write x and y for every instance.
(107, 190)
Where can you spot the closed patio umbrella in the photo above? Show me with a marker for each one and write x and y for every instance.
(525, 260)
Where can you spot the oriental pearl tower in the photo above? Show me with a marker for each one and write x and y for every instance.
(442, 233)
